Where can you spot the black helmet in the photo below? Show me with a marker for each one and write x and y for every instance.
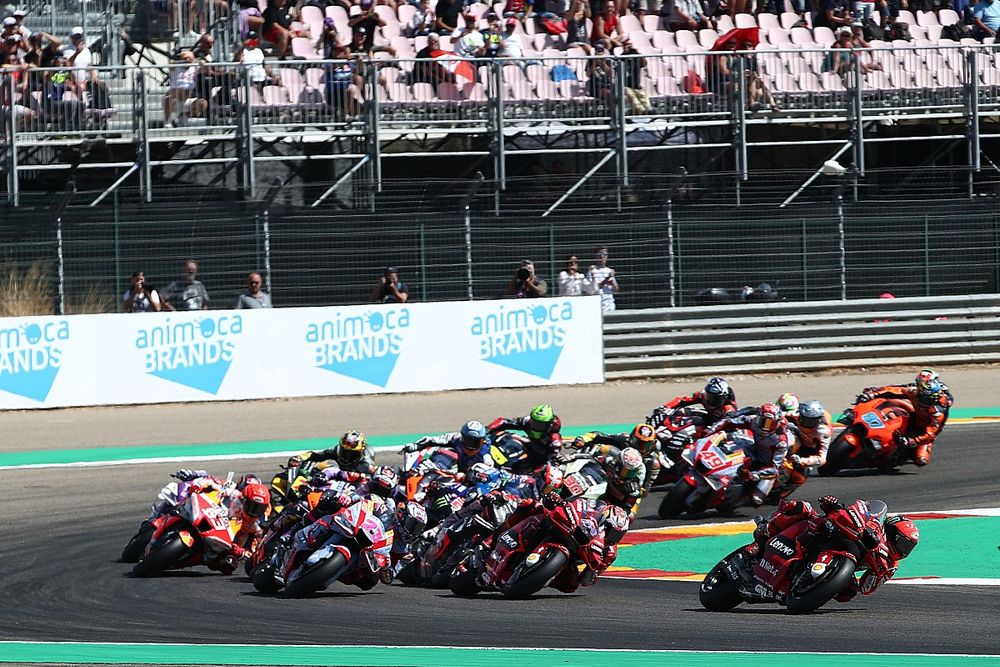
(716, 392)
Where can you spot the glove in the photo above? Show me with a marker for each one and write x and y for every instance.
(792, 507)
(830, 503)
(796, 459)
(552, 500)
(660, 415)
(755, 476)
(579, 443)
(562, 459)
(237, 551)
(493, 498)
(863, 397)
(903, 441)
(186, 475)
(411, 448)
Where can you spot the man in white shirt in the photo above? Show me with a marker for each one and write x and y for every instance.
(82, 59)
(603, 278)
(471, 43)
(510, 45)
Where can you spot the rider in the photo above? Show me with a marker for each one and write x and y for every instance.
(897, 537)
(931, 400)
(642, 438)
(542, 427)
(814, 432)
(472, 443)
(624, 468)
(771, 442)
(351, 454)
(718, 399)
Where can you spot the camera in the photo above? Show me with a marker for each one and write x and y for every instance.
(523, 273)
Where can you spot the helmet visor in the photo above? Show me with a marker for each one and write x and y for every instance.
(767, 424)
(349, 455)
(254, 508)
(538, 428)
(809, 422)
(472, 445)
(902, 545)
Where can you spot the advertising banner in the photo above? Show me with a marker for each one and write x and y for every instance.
(242, 354)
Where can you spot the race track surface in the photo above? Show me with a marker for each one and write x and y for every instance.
(63, 528)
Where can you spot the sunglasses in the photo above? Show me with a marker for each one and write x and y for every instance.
(253, 282)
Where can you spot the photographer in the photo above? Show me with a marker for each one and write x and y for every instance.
(525, 284)
(389, 288)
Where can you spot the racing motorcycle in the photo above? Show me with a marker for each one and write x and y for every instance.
(584, 478)
(869, 437)
(290, 482)
(196, 530)
(713, 462)
(353, 547)
(538, 549)
(169, 496)
(675, 430)
(802, 568)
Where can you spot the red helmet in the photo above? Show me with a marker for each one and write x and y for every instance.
(769, 419)
(256, 500)
(901, 535)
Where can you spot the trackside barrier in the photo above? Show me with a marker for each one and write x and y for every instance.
(240, 354)
(808, 336)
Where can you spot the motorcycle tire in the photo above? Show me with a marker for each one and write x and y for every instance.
(314, 579)
(674, 503)
(836, 458)
(464, 584)
(526, 582)
(136, 547)
(442, 573)
(160, 559)
(408, 575)
(836, 579)
(719, 591)
(263, 579)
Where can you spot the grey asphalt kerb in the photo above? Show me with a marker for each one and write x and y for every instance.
(386, 414)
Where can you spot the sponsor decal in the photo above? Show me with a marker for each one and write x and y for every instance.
(781, 547)
(365, 346)
(30, 357)
(527, 338)
(194, 352)
(768, 567)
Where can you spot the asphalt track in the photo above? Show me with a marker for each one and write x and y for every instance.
(62, 530)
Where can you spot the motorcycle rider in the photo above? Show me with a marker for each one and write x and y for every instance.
(771, 442)
(542, 427)
(931, 400)
(472, 443)
(894, 540)
(718, 399)
(814, 432)
(642, 438)
(624, 471)
(615, 522)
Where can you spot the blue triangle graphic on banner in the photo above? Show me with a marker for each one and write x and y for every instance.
(539, 363)
(31, 384)
(374, 370)
(207, 377)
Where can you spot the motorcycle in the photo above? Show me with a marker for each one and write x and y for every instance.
(584, 478)
(287, 484)
(353, 546)
(713, 463)
(802, 568)
(675, 430)
(538, 549)
(196, 530)
(169, 496)
(869, 437)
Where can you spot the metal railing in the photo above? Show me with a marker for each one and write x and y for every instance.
(619, 100)
(807, 336)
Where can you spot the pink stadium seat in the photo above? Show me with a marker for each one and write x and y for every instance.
(314, 77)
(663, 39)
(423, 92)
(778, 37)
(948, 78)
(685, 38)
(788, 19)
(906, 16)
(302, 48)
(291, 79)
(399, 92)
(745, 21)
(933, 32)
(449, 91)
(823, 36)
(768, 21)
(784, 83)
(802, 37)
(546, 90)
(809, 82)
(832, 82)
(337, 13)
(405, 13)
(651, 23)
(522, 90)
(724, 24)
(475, 93)
(668, 86)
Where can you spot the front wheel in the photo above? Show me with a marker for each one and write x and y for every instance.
(316, 578)
(132, 553)
(263, 579)
(675, 502)
(526, 581)
(463, 582)
(719, 591)
(161, 558)
(812, 595)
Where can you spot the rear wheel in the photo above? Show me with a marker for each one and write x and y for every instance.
(837, 457)
(463, 582)
(815, 593)
(526, 581)
(263, 579)
(316, 578)
(675, 502)
(132, 553)
(719, 591)
(169, 553)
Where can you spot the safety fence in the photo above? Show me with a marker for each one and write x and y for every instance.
(801, 337)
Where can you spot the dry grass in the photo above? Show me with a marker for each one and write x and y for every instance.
(32, 291)
(93, 300)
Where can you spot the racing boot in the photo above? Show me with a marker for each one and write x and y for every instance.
(922, 456)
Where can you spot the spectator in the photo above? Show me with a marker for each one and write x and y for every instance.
(343, 81)
(758, 95)
(985, 19)
(389, 288)
(45, 46)
(525, 284)
(367, 20)
(422, 23)
(251, 20)
(253, 296)
(19, 71)
(359, 45)
(471, 43)
(278, 26)
(252, 58)
(510, 44)
(600, 75)
(213, 84)
(19, 26)
(182, 101)
(637, 98)
(431, 71)
(602, 277)
(689, 15)
(140, 297)
(576, 25)
(606, 25)
(84, 73)
(718, 71)
(56, 83)
(446, 14)
(833, 14)
(572, 282)
(493, 37)
(519, 9)
(187, 293)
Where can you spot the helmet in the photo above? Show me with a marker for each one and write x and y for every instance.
(928, 387)
(541, 421)
(473, 436)
(643, 438)
(383, 482)
(352, 447)
(716, 392)
(789, 404)
(901, 535)
(630, 463)
(411, 519)
(549, 480)
(615, 521)
(295, 461)
(246, 479)
(769, 419)
(811, 414)
(256, 500)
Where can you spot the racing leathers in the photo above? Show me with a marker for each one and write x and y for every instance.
(452, 442)
(538, 450)
(765, 455)
(813, 445)
(926, 422)
(695, 429)
(605, 444)
(365, 464)
(606, 449)
(878, 564)
(225, 561)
